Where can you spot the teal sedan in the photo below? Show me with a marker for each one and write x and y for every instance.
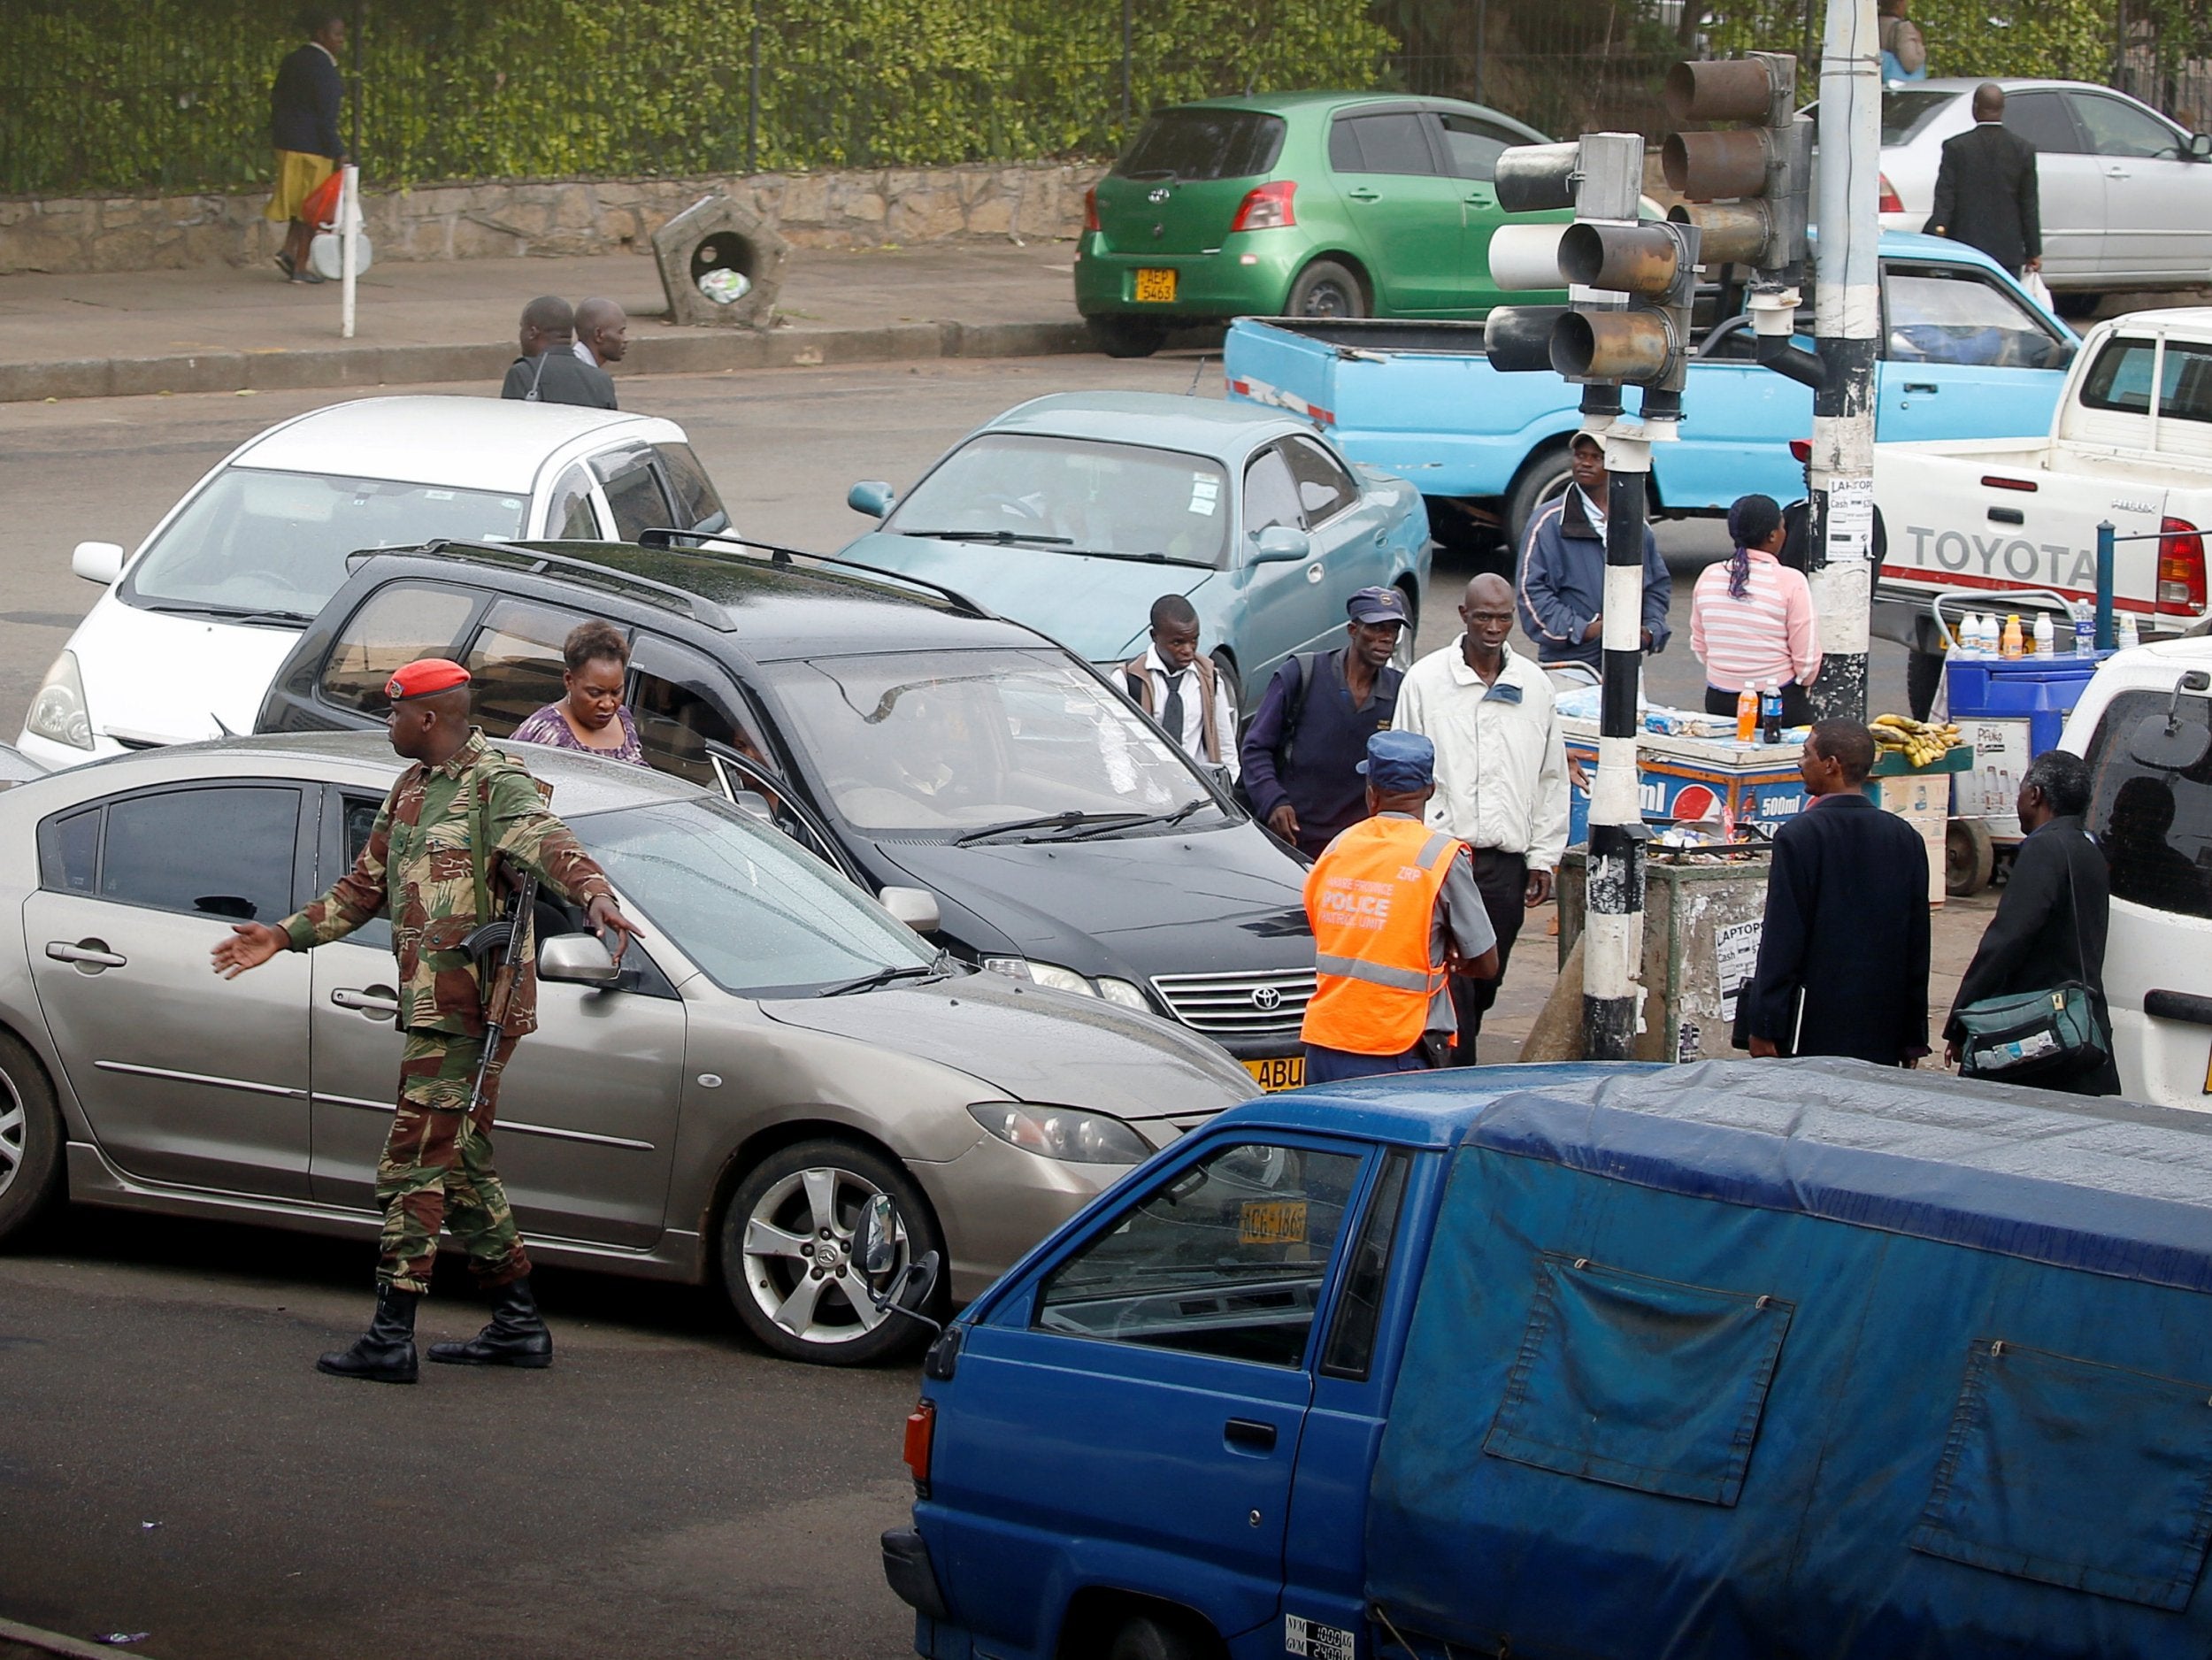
(1301, 204)
(1073, 513)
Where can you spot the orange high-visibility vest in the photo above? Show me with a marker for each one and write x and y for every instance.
(1371, 900)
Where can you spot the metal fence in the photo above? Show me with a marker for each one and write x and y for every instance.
(100, 97)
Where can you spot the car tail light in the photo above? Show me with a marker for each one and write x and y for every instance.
(1266, 209)
(1090, 210)
(1891, 202)
(921, 1430)
(2180, 566)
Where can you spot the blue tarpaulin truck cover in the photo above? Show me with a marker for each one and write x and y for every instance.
(1806, 1359)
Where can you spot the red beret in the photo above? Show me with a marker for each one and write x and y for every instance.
(424, 677)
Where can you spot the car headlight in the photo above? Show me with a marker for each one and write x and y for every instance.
(58, 712)
(1115, 991)
(1122, 992)
(1064, 1133)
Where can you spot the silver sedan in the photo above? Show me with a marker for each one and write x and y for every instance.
(2125, 193)
(778, 1052)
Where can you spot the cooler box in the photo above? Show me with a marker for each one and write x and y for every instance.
(1683, 777)
(2008, 711)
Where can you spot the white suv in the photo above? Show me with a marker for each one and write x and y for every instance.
(2145, 725)
(193, 626)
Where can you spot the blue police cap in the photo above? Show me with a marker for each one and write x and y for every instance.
(1376, 605)
(1399, 762)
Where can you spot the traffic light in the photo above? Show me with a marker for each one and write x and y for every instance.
(1747, 186)
(1630, 281)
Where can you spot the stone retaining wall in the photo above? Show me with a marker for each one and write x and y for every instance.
(555, 217)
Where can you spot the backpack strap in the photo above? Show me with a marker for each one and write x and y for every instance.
(1307, 664)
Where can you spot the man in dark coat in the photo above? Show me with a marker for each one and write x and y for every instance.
(1843, 959)
(549, 371)
(1985, 190)
(1562, 575)
(2050, 919)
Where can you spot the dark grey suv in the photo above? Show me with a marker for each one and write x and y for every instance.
(903, 734)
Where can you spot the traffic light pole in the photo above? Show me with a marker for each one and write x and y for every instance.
(1846, 320)
(1613, 945)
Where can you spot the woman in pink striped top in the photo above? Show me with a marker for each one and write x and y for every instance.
(1751, 619)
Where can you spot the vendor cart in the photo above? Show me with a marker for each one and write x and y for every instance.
(2008, 711)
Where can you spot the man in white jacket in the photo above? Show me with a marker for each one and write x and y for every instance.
(1500, 774)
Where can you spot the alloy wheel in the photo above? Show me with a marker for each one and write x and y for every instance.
(799, 1250)
(15, 1129)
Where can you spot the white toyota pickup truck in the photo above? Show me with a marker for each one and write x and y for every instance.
(2131, 442)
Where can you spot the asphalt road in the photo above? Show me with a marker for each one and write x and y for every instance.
(666, 1489)
(783, 445)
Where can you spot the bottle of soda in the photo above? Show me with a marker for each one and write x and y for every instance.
(1747, 714)
(1770, 715)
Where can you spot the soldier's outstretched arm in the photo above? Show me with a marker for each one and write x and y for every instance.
(349, 902)
(530, 838)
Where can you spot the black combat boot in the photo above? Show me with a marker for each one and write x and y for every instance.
(386, 1352)
(516, 1337)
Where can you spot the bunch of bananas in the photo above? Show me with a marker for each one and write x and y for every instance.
(1920, 740)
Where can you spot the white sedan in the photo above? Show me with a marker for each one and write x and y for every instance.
(2127, 194)
(193, 626)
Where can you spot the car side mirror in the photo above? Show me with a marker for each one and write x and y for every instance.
(917, 907)
(576, 959)
(100, 562)
(878, 1252)
(753, 804)
(871, 496)
(2200, 147)
(1282, 544)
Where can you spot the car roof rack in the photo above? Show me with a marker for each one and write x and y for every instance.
(537, 561)
(699, 540)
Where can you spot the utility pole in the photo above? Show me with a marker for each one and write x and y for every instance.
(1631, 285)
(1846, 320)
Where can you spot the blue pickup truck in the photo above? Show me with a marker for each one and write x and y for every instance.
(1966, 353)
(1747, 1358)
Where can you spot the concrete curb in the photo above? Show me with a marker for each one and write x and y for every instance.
(368, 366)
(25, 1642)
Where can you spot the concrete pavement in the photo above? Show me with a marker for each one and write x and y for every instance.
(224, 330)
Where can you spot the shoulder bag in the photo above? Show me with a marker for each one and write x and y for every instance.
(2028, 1035)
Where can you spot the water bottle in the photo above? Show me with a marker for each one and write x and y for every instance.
(2046, 635)
(1770, 715)
(1747, 714)
(2129, 636)
(2085, 628)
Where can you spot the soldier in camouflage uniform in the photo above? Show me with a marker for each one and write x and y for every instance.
(428, 860)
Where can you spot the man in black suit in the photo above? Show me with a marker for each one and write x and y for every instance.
(549, 371)
(1843, 959)
(1985, 191)
(2051, 919)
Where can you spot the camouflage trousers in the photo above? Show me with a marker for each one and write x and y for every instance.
(437, 1167)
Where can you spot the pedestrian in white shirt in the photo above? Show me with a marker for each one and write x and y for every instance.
(1500, 774)
(1182, 690)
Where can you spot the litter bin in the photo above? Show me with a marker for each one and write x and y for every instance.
(1702, 914)
(2008, 711)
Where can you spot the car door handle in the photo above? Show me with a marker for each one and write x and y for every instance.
(2118, 173)
(1929, 386)
(1364, 196)
(89, 955)
(379, 1002)
(1249, 1434)
(1313, 572)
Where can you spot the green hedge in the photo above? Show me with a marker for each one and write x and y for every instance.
(172, 95)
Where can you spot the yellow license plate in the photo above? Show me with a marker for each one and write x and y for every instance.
(1271, 1222)
(1286, 1071)
(1156, 286)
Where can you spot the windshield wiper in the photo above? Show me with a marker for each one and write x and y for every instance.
(1054, 821)
(1140, 820)
(992, 535)
(234, 613)
(884, 977)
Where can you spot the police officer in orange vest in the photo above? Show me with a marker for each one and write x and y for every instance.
(1395, 913)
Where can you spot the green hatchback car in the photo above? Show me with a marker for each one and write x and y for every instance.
(1302, 204)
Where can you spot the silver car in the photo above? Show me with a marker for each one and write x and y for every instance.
(779, 1051)
(2125, 193)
